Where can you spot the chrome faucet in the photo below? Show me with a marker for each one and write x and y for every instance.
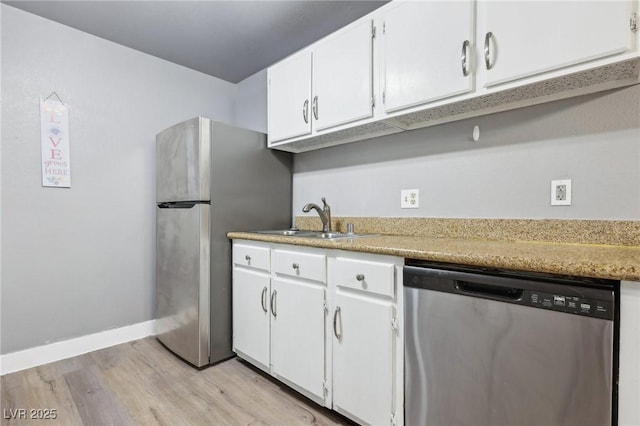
(324, 212)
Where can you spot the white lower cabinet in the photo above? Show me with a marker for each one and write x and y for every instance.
(279, 313)
(251, 315)
(629, 380)
(297, 335)
(327, 325)
(363, 358)
(366, 343)
(251, 288)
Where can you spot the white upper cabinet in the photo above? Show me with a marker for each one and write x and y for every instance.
(417, 63)
(290, 98)
(343, 77)
(519, 39)
(427, 52)
(328, 85)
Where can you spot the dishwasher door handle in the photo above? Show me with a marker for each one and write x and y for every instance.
(490, 291)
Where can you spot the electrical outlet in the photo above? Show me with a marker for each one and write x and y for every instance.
(409, 198)
(561, 192)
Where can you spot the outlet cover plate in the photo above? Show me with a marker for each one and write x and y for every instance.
(409, 198)
(561, 192)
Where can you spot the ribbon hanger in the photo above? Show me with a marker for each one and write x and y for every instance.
(56, 95)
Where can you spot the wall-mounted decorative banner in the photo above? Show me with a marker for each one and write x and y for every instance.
(54, 131)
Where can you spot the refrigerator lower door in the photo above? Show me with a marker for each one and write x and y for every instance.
(182, 280)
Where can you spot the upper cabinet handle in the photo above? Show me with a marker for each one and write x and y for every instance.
(314, 107)
(487, 52)
(465, 64)
(305, 110)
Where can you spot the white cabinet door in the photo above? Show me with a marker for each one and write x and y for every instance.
(424, 45)
(363, 361)
(532, 37)
(297, 334)
(251, 315)
(289, 110)
(343, 77)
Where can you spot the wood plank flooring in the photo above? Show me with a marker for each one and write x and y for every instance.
(142, 383)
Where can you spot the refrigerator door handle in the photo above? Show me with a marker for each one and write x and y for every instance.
(180, 204)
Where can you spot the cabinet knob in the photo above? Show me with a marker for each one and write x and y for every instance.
(360, 277)
(247, 258)
(295, 266)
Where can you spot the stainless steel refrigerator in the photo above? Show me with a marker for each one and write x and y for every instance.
(211, 178)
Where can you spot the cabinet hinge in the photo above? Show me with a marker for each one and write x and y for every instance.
(384, 96)
(394, 419)
(373, 32)
(373, 101)
(633, 22)
(325, 389)
(384, 28)
(394, 323)
(325, 306)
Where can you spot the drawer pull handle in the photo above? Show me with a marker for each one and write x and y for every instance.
(295, 266)
(263, 299)
(273, 304)
(335, 322)
(247, 258)
(360, 277)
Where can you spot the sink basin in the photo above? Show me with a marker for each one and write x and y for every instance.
(336, 235)
(285, 232)
(313, 234)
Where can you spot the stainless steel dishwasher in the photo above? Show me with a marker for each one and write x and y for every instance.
(504, 348)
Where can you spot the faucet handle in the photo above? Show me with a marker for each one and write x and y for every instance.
(324, 203)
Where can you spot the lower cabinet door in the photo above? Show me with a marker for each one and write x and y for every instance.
(297, 335)
(363, 360)
(251, 315)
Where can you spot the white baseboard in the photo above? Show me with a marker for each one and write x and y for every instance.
(45, 354)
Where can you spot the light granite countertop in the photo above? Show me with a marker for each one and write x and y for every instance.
(585, 260)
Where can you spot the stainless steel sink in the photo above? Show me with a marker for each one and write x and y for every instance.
(285, 232)
(314, 234)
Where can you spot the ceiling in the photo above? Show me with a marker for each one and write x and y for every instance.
(231, 40)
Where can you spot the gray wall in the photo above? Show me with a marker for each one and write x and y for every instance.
(251, 102)
(593, 140)
(81, 260)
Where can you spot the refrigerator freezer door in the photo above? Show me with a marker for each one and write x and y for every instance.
(183, 162)
(182, 281)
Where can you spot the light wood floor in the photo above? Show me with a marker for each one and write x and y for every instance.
(141, 383)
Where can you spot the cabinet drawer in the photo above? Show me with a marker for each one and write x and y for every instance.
(251, 256)
(300, 265)
(374, 277)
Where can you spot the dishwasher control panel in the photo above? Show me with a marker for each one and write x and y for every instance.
(584, 297)
(570, 304)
